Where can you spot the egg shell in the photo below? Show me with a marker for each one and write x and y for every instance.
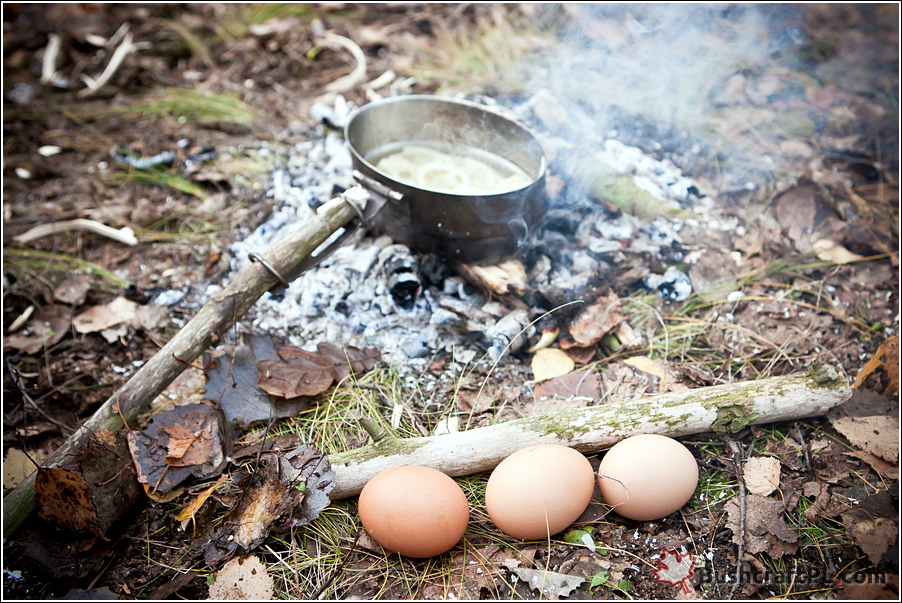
(539, 483)
(647, 477)
(415, 511)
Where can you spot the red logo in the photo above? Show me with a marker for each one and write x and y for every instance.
(675, 568)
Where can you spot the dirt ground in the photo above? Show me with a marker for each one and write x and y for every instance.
(804, 157)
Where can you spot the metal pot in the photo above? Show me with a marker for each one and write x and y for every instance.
(467, 228)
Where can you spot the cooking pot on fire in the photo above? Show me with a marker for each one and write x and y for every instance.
(458, 178)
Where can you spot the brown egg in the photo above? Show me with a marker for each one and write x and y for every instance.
(414, 511)
(647, 477)
(539, 491)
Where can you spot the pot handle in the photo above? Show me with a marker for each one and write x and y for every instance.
(376, 187)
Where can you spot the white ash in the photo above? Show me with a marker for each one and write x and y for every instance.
(347, 298)
(661, 178)
(306, 180)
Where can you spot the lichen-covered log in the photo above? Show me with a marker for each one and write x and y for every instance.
(723, 408)
(204, 330)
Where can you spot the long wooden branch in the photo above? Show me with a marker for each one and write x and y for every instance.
(722, 408)
(207, 328)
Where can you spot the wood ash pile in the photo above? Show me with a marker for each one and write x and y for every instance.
(413, 305)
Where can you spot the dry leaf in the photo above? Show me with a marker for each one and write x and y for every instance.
(597, 320)
(204, 457)
(549, 363)
(244, 580)
(883, 468)
(45, 329)
(828, 251)
(72, 291)
(64, 498)
(873, 535)
(162, 498)
(575, 384)
(95, 488)
(287, 490)
(180, 440)
(765, 528)
(101, 318)
(761, 475)
(870, 366)
(878, 435)
(891, 366)
(188, 511)
(232, 383)
(16, 467)
(647, 365)
(652, 367)
(549, 584)
(302, 373)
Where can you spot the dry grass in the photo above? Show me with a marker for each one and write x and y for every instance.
(485, 54)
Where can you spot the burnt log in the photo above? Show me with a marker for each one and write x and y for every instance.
(207, 328)
(721, 409)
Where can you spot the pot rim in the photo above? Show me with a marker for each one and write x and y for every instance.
(393, 182)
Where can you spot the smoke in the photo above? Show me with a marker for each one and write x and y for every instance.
(670, 66)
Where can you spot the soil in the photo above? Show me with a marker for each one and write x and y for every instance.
(833, 178)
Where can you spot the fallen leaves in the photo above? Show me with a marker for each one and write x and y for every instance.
(878, 435)
(183, 441)
(549, 584)
(887, 357)
(231, 375)
(650, 366)
(549, 363)
(93, 491)
(835, 253)
(302, 373)
(576, 385)
(188, 511)
(113, 319)
(761, 475)
(874, 535)
(244, 580)
(288, 490)
(17, 466)
(597, 320)
(44, 330)
(765, 528)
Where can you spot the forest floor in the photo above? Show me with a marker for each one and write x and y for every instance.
(795, 142)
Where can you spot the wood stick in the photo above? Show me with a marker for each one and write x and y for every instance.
(722, 408)
(207, 328)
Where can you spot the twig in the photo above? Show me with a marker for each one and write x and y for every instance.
(125, 235)
(115, 61)
(801, 439)
(48, 66)
(17, 378)
(737, 462)
(357, 75)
